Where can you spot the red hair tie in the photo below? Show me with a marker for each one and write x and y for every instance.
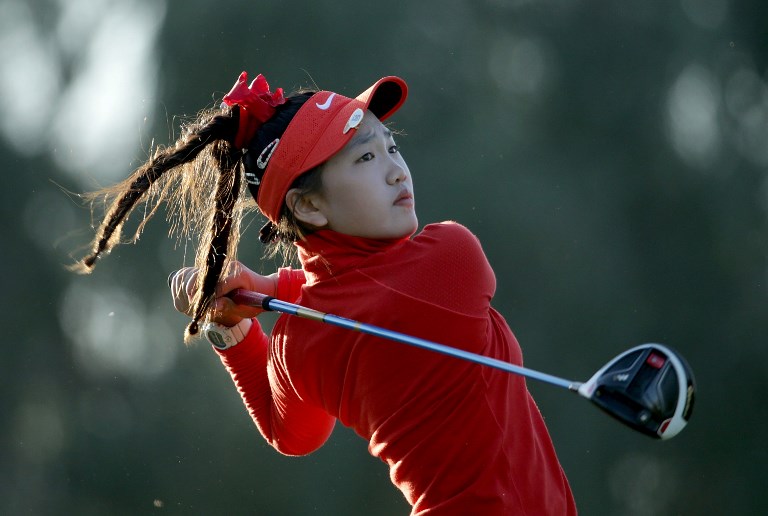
(257, 105)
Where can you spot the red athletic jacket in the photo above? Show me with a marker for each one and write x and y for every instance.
(459, 438)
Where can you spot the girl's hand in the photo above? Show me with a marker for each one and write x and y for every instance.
(183, 285)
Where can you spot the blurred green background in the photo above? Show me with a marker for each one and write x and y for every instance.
(611, 156)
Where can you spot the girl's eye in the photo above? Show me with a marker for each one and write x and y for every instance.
(366, 157)
(394, 149)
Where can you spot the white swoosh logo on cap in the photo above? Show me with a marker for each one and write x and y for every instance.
(325, 105)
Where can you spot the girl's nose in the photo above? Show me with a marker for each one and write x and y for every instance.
(397, 174)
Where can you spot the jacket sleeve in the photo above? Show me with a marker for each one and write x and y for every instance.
(289, 283)
(288, 424)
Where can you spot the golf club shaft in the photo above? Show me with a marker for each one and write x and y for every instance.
(248, 298)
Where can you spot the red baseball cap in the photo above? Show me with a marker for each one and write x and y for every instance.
(320, 129)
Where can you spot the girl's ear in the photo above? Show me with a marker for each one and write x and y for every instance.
(304, 208)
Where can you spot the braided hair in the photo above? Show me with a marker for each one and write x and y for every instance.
(200, 178)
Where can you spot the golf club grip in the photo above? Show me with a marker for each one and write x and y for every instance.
(250, 298)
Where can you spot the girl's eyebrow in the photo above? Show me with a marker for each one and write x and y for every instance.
(362, 138)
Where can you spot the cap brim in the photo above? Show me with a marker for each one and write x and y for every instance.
(382, 99)
(385, 96)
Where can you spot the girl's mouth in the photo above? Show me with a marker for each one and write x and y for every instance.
(404, 199)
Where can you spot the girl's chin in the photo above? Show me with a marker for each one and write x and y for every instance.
(412, 228)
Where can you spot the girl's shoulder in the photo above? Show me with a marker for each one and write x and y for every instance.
(450, 241)
(449, 233)
(447, 226)
(449, 260)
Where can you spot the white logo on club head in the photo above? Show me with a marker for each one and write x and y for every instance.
(325, 105)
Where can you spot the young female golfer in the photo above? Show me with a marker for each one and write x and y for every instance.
(458, 438)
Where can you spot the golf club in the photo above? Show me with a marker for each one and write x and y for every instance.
(649, 388)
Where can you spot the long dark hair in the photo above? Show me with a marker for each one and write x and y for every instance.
(200, 177)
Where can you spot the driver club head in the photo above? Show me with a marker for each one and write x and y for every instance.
(649, 388)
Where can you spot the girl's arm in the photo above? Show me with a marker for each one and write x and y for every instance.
(287, 423)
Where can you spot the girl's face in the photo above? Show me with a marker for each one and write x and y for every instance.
(366, 187)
